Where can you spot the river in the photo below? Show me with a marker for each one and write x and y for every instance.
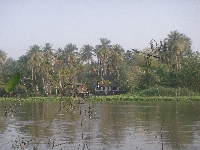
(126, 125)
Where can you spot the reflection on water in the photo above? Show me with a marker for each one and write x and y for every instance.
(99, 125)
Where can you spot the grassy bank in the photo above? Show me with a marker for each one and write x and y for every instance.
(36, 99)
(151, 94)
(127, 97)
(123, 97)
(166, 91)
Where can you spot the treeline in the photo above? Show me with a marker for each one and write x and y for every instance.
(46, 71)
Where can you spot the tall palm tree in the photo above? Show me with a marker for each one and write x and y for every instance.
(86, 53)
(34, 62)
(117, 56)
(48, 53)
(69, 54)
(25, 70)
(103, 53)
(178, 45)
(48, 46)
(3, 56)
(22, 66)
(35, 57)
(71, 63)
(59, 65)
(48, 68)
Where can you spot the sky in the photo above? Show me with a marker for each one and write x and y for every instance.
(130, 23)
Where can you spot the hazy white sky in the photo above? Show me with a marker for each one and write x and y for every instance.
(130, 23)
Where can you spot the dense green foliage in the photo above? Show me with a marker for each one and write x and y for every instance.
(170, 66)
(11, 84)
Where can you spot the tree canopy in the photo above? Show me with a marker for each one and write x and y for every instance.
(46, 71)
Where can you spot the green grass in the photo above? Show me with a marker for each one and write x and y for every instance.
(126, 97)
(166, 91)
(123, 97)
(35, 99)
(151, 94)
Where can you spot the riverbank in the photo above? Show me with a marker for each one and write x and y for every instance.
(126, 97)
(122, 97)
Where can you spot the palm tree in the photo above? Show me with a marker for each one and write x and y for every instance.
(47, 47)
(48, 68)
(117, 56)
(23, 67)
(34, 62)
(3, 56)
(86, 53)
(69, 54)
(48, 54)
(178, 45)
(102, 52)
(59, 66)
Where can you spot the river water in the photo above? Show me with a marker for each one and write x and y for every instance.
(129, 125)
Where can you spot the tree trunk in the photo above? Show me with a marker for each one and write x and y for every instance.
(98, 67)
(116, 68)
(59, 79)
(177, 63)
(44, 88)
(56, 90)
(32, 73)
(105, 68)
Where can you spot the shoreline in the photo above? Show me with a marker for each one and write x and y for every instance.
(124, 97)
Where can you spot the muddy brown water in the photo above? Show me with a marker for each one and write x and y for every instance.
(139, 125)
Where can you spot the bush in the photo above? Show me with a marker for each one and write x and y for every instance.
(166, 91)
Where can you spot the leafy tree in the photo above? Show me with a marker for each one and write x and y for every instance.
(131, 73)
(189, 75)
